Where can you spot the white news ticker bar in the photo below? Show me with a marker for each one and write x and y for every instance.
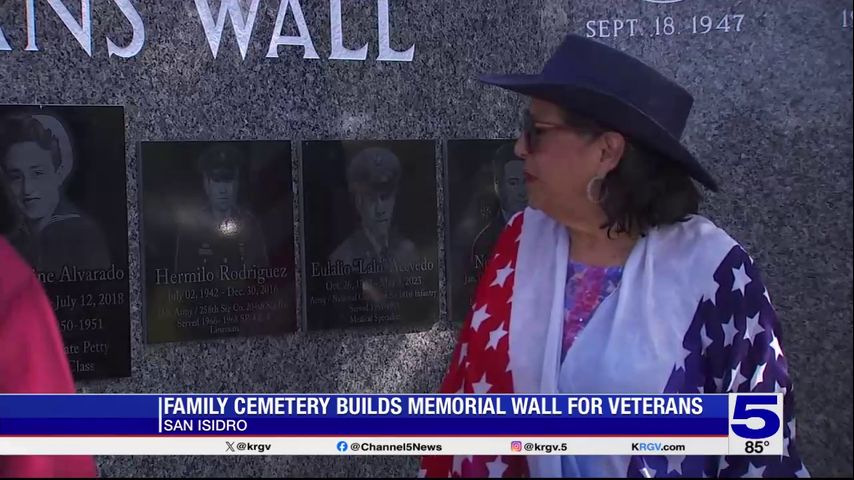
(365, 446)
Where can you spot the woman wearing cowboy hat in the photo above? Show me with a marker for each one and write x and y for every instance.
(610, 282)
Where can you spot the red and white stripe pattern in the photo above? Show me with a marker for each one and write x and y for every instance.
(480, 363)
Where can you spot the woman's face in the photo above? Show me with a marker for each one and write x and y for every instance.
(32, 179)
(560, 164)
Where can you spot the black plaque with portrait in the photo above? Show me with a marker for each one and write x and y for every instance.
(370, 219)
(486, 186)
(217, 232)
(64, 167)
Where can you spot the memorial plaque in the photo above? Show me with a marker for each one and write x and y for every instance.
(486, 186)
(371, 242)
(218, 239)
(65, 168)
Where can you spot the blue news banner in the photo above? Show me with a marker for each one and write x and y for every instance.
(456, 424)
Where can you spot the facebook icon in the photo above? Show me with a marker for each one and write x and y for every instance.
(342, 446)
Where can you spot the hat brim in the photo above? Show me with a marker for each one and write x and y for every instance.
(611, 112)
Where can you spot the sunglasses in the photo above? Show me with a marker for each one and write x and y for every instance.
(529, 132)
(532, 133)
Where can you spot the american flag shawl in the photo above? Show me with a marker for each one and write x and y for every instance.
(691, 315)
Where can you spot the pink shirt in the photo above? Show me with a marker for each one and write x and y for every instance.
(32, 360)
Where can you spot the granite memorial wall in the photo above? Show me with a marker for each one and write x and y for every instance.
(299, 195)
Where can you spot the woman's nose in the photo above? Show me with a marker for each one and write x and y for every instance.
(520, 148)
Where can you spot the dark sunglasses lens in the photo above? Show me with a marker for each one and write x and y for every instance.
(530, 132)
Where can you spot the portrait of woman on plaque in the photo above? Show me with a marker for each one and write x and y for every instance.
(37, 159)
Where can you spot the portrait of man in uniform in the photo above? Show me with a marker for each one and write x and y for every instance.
(63, 175)
(370, 233)
(222, 233)
(373, 177)
(37, 160)
(218, 239)
(486, 187)
(508, 183)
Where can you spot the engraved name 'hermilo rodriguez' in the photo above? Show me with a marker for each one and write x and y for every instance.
(162, 276)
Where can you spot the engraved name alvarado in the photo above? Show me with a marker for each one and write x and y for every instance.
(70, 302)
(73, 274)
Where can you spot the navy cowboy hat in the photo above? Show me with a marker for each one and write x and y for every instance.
(618, 91)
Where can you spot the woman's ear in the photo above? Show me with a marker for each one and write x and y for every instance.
(613, 148)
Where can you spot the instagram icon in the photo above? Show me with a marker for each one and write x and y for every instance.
(516, 446)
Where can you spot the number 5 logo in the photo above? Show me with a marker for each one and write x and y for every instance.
(743, 413)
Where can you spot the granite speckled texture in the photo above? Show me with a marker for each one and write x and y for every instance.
(772, 120)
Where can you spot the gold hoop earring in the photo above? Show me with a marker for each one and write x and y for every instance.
(603, 194)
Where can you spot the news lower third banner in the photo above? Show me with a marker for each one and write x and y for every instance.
(317, 424)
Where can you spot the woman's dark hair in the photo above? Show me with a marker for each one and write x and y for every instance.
(645, 190)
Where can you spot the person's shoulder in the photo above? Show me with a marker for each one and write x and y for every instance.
(404, 248)
(692, 228)
(351, 241)
(345, 249)
(246, 214)
(511, 234)
(76, 224)
(707, 236)
(250, 219)
(700, 251)
(516, 221)
(399, 240)
(490, 232)
(695, 235)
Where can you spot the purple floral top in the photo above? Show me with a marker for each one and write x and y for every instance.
(586, 287)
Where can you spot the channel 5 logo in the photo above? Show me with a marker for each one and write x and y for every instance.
(756, 416)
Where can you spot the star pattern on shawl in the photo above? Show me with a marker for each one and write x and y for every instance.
(501, 275)
(734, 332)
(481, 364)
(735, 336)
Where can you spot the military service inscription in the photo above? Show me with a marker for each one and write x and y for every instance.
(371, 243)
(218, 239)
(64, 167)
